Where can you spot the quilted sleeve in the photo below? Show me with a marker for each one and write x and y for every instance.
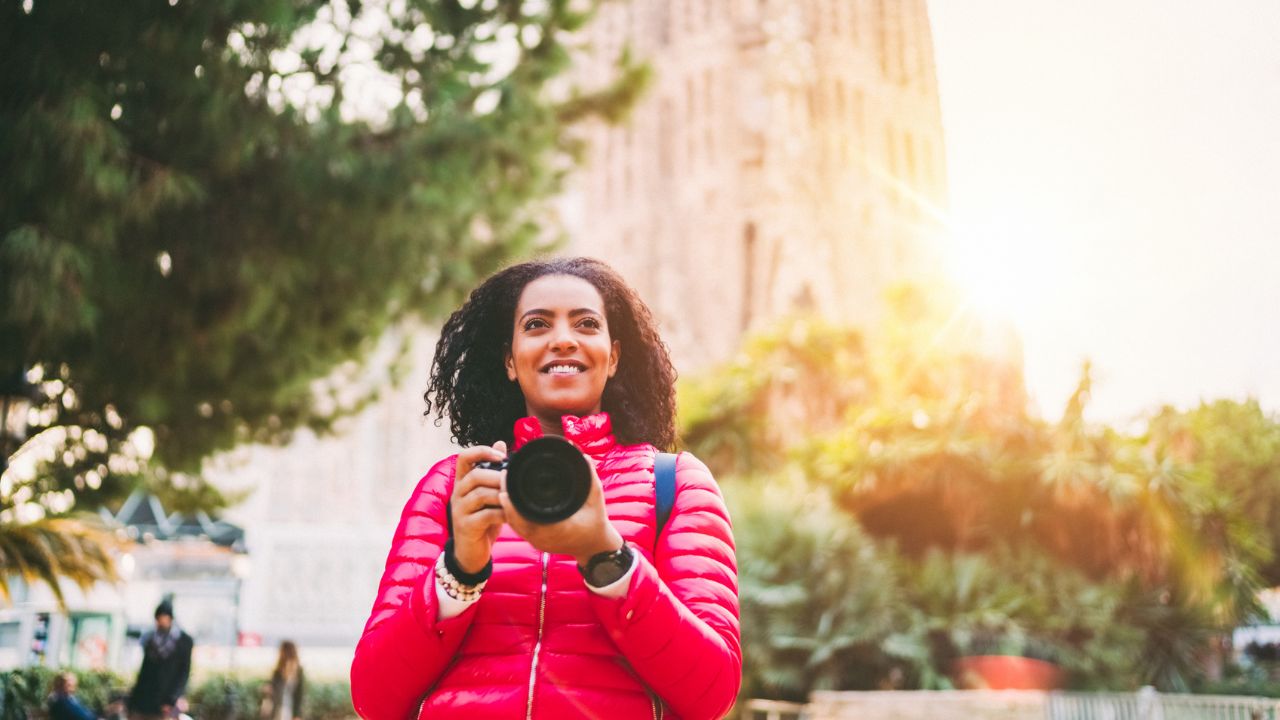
(678, 624)
(404, 648)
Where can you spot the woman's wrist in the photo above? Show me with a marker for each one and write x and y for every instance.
(610, 541)
(468, 571)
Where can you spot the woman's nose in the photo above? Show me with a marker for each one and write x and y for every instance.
(563, 339)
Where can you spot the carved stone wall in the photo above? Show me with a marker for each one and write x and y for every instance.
(789, 155)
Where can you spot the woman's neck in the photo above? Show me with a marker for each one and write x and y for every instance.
(551, 426)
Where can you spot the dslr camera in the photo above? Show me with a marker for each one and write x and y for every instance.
(548, 479)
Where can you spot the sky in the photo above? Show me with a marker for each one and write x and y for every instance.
(1114, 172)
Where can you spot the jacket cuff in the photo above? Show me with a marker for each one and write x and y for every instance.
(427, 610)
(639, 606)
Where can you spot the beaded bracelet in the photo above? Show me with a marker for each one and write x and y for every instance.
(453, 588)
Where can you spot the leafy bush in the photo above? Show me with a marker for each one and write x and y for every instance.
(225, 697)
(897, 505)
(817, 598)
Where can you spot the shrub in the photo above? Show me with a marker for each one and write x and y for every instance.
(224, 697)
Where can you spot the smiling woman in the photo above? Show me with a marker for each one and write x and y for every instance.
(561, 352)
(480, 610)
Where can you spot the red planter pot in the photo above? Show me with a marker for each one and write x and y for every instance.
(1005, 672)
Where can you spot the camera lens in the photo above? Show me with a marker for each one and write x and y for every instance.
(548, 480)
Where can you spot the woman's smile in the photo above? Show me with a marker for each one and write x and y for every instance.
(561, 367)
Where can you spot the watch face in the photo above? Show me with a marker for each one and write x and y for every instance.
(606, 568)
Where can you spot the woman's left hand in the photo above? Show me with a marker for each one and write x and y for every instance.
(583, 534)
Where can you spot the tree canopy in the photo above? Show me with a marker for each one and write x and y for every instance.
(206, 208)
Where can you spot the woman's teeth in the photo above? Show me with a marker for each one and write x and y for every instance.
(564, 370)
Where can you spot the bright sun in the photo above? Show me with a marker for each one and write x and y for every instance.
(1005, 268)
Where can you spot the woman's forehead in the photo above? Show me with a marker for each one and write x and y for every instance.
(559, 293)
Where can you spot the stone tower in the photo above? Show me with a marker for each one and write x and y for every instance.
(789, 155)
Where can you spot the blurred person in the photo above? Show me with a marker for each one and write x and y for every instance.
(63, 703)
(483, 613)
(283, 700)
(166, 666)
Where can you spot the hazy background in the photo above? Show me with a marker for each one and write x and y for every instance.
(1115, 191)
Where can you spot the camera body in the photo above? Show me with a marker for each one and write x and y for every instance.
(548, 479)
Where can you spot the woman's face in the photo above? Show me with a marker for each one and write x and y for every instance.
(561, 351)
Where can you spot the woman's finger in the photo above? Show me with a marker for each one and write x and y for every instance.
(468, 457)
(480, 498)
(465, 474)
(484, 518)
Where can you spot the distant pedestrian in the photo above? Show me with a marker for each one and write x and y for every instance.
(63, 703)
(166, 665)
(285, 691)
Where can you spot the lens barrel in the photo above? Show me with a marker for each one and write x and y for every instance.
(548, 479)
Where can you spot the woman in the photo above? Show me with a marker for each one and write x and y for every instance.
(284, 698)
(597, 615)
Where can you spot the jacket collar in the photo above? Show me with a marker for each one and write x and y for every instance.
(593, 434)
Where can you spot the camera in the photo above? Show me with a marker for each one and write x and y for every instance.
(548, 479)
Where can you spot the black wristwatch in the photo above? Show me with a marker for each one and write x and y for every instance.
(607, 567)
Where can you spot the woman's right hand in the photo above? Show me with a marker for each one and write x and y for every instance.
(475, 508)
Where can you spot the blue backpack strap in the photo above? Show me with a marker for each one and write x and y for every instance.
(664, 475)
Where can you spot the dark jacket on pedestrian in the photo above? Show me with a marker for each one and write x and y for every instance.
(68, 707)
(166, 665)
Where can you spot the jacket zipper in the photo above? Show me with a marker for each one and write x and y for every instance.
(537, 647)
(657, 708)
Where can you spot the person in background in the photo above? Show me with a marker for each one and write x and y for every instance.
(166, 666)
(285, 691)
(63, 703)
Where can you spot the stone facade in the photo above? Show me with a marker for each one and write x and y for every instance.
(789, 155)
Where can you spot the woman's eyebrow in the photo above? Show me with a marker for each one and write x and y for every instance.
(572, 313)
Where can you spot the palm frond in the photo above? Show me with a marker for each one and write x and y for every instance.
(55, 549)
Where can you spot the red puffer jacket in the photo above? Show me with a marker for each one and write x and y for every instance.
(538, 644)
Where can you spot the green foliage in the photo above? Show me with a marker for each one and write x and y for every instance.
(1255, 680)
(787, 382)
(224, 697)
(1120, 556)
(1012, 602)
(817, 596)
(52, 548)
(1236, 447)
(208, 212)
(26, 690)
(220, 697)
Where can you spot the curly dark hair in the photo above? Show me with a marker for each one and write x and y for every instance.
(468, 374)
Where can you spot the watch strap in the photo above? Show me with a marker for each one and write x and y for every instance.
(451, 564)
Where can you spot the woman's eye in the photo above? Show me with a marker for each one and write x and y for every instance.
(535, 323)
(590, 323)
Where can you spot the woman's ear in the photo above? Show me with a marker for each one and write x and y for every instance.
(510, 362)
(615, 354)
